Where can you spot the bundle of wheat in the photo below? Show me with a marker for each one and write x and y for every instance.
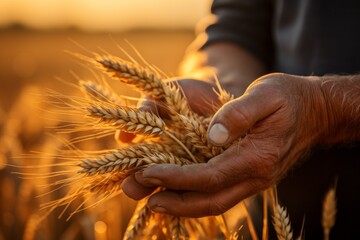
(180, 140)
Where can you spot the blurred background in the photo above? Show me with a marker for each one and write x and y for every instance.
(33, 37)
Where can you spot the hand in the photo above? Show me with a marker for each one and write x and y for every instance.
(280, 117)
(200, 95)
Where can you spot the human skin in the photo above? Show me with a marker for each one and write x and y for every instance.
(279, 117)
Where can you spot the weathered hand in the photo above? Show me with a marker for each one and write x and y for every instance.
(279, 117)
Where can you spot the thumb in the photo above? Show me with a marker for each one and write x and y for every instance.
(236, 117)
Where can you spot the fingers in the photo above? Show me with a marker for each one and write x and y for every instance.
(135, 190)
(235, 118)
(221, 171)
(195, 204)
(200, 96)
(197, 177)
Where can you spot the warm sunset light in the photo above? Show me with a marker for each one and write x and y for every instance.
(108, 15)
(36, 75)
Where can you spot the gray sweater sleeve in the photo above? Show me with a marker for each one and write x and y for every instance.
(244, 22)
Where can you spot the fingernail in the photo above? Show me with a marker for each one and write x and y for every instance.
(159, 209)
(153, 181)
(218, 134)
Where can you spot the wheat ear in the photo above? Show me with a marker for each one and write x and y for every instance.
(282, 223)
(129, 119)
(177, 228)
(132, 74)
(139, 220)
(329, 212)
(117, 162)
(147, 82)
(108, 184)
(196, 134)
(99, 93)
(134, 121)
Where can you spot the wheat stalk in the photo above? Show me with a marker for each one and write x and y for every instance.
(329, 212)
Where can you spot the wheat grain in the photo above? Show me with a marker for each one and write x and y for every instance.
(177, 228)
(329, 212)
(132, 74)
(129, 119)
(138, 221)
(131, 157)
(107, 184)
(99, 93)
(196, 134)
(147, 82)
(281, 222)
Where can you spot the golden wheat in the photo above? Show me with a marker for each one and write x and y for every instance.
(129, 119)
(181, 140)
(329, 212)
(282, 223)
(143, 79)
(138, 221)
(99, 93)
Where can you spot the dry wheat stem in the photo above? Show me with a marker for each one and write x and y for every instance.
(282, 223)
(250, 222)
(329, 212)
(223, 95)
(195, 228)
(265, 215)
(221, 221)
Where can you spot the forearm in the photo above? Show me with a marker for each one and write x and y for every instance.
(342, 106)
(235, 67)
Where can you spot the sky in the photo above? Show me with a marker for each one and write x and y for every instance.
(103, 15)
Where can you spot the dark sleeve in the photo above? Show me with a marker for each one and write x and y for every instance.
(244, 22)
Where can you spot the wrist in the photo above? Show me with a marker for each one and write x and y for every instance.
(339, 97)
